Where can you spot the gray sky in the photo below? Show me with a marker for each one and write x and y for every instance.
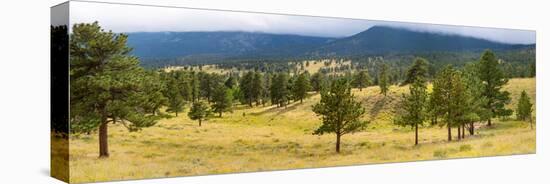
(131, 18)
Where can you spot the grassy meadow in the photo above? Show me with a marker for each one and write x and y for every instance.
(268, 138)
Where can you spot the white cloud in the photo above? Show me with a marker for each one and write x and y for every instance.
(135, 18)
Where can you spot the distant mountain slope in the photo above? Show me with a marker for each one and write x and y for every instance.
(181, 44)
(222, 45)
(382, 39)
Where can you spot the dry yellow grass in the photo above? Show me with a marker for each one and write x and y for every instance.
(269, 138)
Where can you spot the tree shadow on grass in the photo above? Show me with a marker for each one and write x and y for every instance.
(377, 107)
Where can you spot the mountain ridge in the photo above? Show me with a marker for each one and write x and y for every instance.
(248, 45)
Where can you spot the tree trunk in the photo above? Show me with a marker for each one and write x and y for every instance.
(449, 138)
(220, 113)
(416, 134)
(338, 143)
(103, 142)
(200, 122)
(301, 100)
(472, 128)
(176, 113)
(489, 122)
(458, 131)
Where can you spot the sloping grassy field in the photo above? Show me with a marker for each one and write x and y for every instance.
(270, 138)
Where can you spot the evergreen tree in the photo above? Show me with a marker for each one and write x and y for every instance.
(279, 89)
(318, 80)
(195, 86)
(474, 99)
(175, 100)
(418, 69)
(266, 91)
(257, 87)
(414, 107)
(339, 111)
(524, 108)
(155, 98)
(230, 82)
(493, 79)
(205, 86)
(383, 79)
(301, 87)
(361, 80)
(199, 111)
(449, 91)
(246, 87)
(107, 84)
(223, 100)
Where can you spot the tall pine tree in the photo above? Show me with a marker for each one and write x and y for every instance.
(107, 84)
(414, 106)
(383, 79)
(493, 79)
(339, 111)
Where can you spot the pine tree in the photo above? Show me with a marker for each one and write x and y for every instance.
(339, 111)
(418, 69)
(524, 108)
(279, 89)
(361, 80)
(257, 87)
(475, 100)
(155, 98)
(175, 100)
(318, 81)
(301, 87)
(383, 79)
(449, 91)
(414, 106)
(107, 84)
(493, 79)
(195, 87)
(266, 91)
(199, 111)
(230, 82)
(223, 99)
(246, 87)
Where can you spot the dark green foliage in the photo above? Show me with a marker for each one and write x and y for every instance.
(383, 79)
(247, 88)
(361, 80)
(419, 69)
(199, 111)
(301, 86)
(339, 111)
(524, 107)
(474, 100)
(107, 85)
(175, 99)
(449, 92)
(266, 89)
(318, 81)
(279, 89)
(223, 99)
(257, 87)
(195, 86)
(493, 79)
(414, 106)
(230, 82)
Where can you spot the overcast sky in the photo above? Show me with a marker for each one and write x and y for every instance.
(132, 18)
